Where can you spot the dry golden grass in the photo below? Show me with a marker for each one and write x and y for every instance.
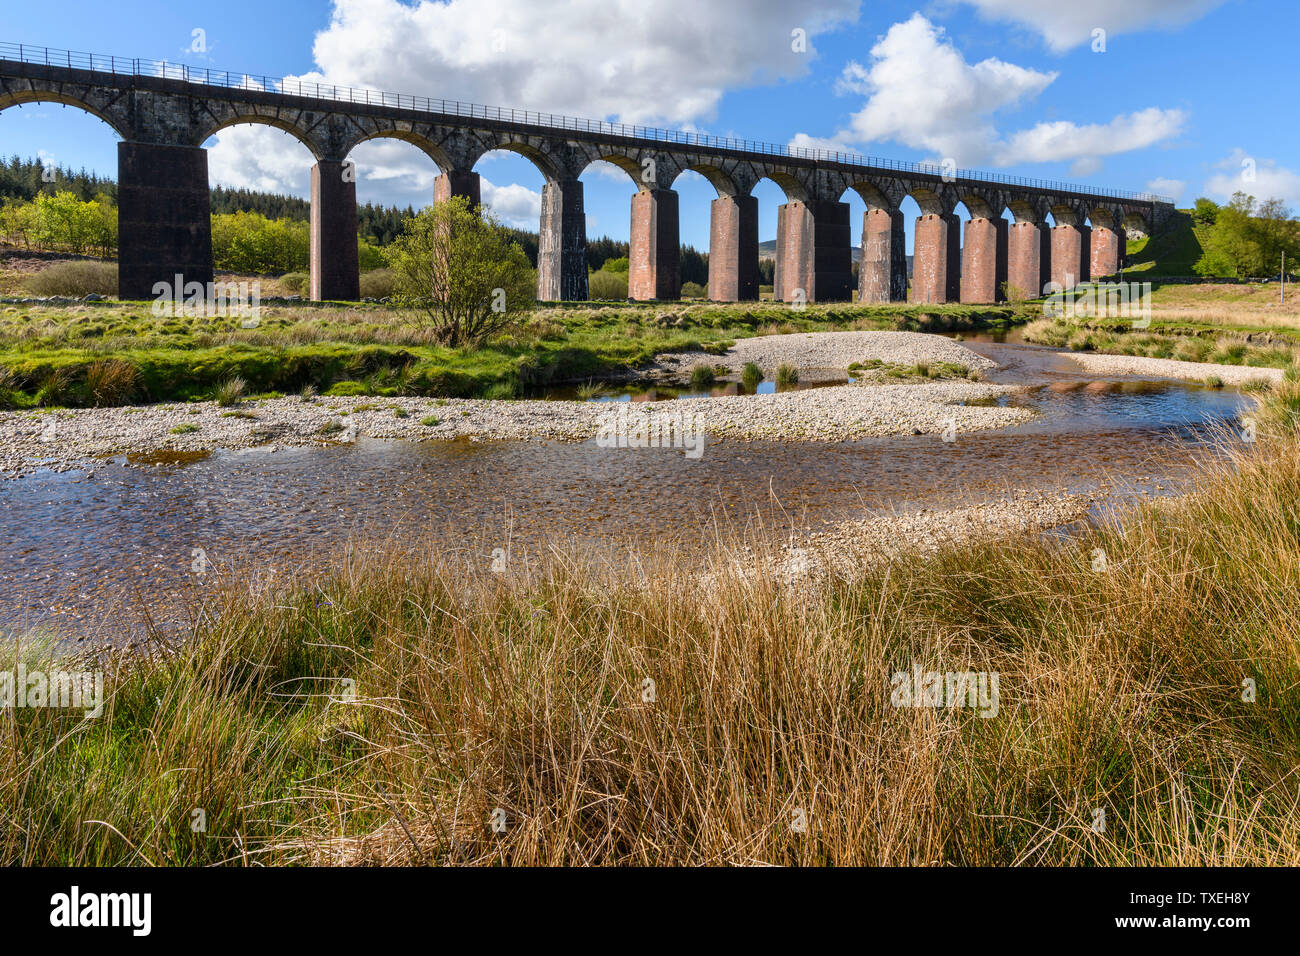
(673, 710)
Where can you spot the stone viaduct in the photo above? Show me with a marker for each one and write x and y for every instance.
(165, 113)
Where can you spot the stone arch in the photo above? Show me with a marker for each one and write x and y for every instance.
(1065, 213)
(717, 177)
(104, 111)
(1032, 209)
(1135, 223)
(873, 195)
(627, 160)
(552, 160)
(932, 201)
(263, 119)
(435, 152)
(795, 191)
(981, 204)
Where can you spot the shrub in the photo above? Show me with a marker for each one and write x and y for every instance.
(693, 290)
(750, 376)
(112, 382)
(787, 375)
(74, 279)
(230, 392)
(296, 282)
(607, 285)
(701, 377)
(56, 388)
(463, 270)
(377, 284)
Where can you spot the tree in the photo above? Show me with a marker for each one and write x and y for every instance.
(1249, 239)
(1206, 211)
(458, 266)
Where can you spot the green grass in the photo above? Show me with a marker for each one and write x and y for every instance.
(1172, 252)
(385, 352)
(185, 429)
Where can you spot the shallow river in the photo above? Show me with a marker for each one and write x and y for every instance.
(85, 554)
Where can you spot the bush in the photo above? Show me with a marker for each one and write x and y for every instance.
(112, 382)
(56, 389)
(463, 270)
(74, 279)
(693, 290)
(377, 284)
(296, 282)
(230, 392)
(701, 377)
(607, 285)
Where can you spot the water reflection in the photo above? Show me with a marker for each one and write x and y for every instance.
(79, 551)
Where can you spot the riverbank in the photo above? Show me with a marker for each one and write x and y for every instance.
(75, 438)
(728, 703)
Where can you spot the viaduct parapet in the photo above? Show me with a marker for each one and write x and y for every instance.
(166, 112)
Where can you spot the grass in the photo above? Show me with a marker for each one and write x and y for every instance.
(702, 376)
(185, 428)
(750, 376)
(787, 375)
(385, 352)
(679, 710)
(231, 392)
(429, 421)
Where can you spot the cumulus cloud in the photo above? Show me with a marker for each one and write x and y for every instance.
(1173, 188)
(515, 205)
(667, 62)
(1064, 25)
(1262, 178)
(1053, 142)
(921, 92)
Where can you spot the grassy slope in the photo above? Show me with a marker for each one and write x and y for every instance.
(1171, 253)
(1120, 690)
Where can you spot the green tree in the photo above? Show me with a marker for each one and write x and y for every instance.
(1206, 211)
(460, 268)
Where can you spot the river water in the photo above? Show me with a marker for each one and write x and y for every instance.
(89, 555)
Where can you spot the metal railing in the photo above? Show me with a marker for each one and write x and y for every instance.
(203, 76)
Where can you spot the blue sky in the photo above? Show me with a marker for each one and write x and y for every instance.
(1183, 94)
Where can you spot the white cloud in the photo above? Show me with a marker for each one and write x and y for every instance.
(1270, 181)
(1064, 24)
(1054, 142)
(668, 62)
(260, 158)
(921, 92)
(515, 205)
(1173, 188)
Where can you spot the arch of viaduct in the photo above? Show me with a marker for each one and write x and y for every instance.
(164, 225)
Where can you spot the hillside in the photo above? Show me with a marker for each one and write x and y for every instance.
(1173, 252)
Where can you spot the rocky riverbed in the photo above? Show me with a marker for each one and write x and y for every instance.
(74, 438)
